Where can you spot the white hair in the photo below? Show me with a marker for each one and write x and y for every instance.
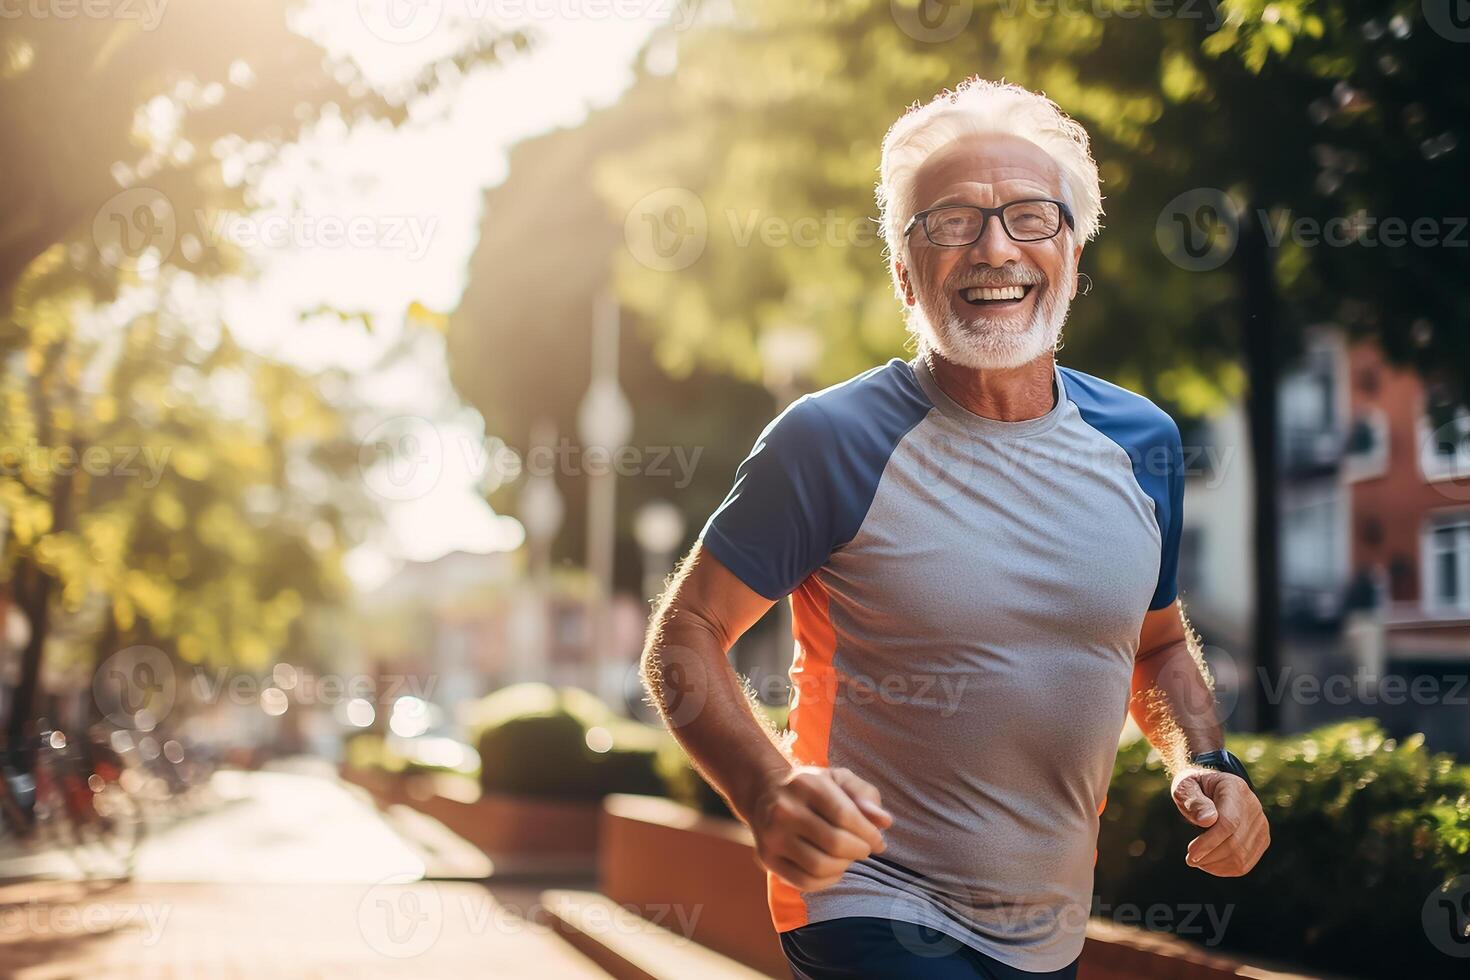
(978, 106)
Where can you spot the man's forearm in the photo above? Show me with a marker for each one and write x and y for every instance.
(709, 710)
(1174, 703)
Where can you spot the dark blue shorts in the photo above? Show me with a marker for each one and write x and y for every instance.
(863, 946)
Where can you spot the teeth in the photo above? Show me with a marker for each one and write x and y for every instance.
(1003, 292)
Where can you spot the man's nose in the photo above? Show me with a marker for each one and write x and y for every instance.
(994, 247)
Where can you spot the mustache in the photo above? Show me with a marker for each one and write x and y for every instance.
(992, 278)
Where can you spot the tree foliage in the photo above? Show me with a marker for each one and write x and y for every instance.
(161, 483)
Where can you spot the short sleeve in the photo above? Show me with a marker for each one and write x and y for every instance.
(1170, 509)
(777, 524)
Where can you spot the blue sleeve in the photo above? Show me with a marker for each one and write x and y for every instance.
(777, 525)
(1151, 439)
(1169, 506)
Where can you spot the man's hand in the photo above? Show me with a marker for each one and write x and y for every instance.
(1238, 833)
(810, 823)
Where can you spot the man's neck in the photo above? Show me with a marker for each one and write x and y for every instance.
(1004, 394)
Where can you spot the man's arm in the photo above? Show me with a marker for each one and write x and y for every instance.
(1174, 703)
(810, 823)
(1173, 699)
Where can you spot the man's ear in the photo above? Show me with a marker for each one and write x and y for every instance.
(903, 280)
(1076, 264)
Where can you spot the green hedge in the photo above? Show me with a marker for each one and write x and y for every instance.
(535, 740)
(1363, 828)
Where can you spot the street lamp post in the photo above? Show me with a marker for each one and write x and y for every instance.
(658, 529)
(541, 511)
(604, 422)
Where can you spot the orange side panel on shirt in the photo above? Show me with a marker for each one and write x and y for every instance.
(815, 685)
(1100, 808)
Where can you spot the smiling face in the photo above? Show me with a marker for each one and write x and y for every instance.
(997, 303)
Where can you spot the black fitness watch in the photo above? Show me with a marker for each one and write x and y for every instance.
(1223, 760)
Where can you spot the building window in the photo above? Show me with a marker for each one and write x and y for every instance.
(1444, 440)
(1447, 564)
(1367, 446)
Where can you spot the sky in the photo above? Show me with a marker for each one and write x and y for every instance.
(412, 197)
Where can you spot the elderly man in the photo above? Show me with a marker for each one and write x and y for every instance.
(980, 549)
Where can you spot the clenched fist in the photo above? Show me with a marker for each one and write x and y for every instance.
(810, 823)
(1238, 833)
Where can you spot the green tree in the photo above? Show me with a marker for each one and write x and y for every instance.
(117, 131)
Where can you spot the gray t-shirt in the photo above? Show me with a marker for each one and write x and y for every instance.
(967, 597)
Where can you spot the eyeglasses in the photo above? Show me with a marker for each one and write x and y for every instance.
(958, 225)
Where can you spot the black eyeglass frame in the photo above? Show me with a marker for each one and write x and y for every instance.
(920, 219)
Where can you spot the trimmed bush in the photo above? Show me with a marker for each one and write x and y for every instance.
(563, 744)
(1363, 828)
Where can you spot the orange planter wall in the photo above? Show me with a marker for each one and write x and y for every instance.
(655, 853)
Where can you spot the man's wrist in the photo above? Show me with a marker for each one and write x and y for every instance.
(1222, 760)
(757, 780)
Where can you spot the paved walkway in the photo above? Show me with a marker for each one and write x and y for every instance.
(218, 931)
(290, 876)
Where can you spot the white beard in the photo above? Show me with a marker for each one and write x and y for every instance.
(991, 342)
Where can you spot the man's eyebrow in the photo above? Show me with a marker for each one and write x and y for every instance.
(960, 197)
